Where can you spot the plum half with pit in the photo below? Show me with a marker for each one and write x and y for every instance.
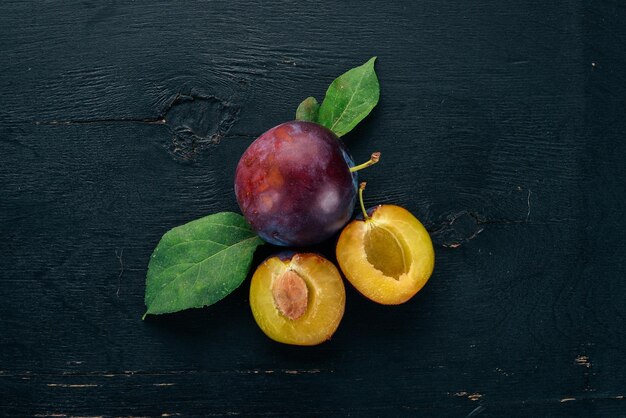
(297, 298)
(294, 184)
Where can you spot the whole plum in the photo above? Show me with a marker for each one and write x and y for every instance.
(294, 185)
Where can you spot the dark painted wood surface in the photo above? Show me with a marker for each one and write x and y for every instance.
(501, 126)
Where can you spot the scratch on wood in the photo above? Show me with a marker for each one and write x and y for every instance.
(471, 396)
(528, 203)
(64, 385)
(119, 276)
(302, 371)
(164, 384)
(90, 416)
(147, 121)
(134, 373)
(502, 372)
(255, 371)
(311, 371)
(475, 411)
(583, 361)
(592, 398)
(64, 415)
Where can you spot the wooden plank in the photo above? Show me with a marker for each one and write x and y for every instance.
(501, 127)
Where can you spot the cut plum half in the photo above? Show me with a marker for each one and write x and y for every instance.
(297, 299)
(388, 255)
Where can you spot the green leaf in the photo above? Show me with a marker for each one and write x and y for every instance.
(199, 263)
(308, 110)
(350, 98)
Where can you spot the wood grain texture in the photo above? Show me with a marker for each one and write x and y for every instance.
(501, 126)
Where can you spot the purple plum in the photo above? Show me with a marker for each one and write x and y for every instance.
(294, 185)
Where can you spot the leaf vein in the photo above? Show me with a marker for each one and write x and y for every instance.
(356, 89)
(194, 240)
(176, 278)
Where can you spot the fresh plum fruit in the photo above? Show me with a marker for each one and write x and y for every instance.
(294, 185)
(386, 253)
(297, 298)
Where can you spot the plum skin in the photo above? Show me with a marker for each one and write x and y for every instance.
(294, 185)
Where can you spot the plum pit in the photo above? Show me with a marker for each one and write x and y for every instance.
(290, 294)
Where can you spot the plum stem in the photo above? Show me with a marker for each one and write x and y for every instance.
(373, 160)
(361, 188)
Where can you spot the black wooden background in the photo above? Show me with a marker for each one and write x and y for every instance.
(501, 126)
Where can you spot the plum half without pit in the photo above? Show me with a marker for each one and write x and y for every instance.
(294, 184)
(386, 253)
